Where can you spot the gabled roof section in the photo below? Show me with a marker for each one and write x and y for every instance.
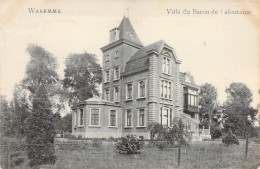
(139, 60)
(126, 31)
(187, 79)
(144, 51)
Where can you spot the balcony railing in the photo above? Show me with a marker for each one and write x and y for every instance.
(190, 108)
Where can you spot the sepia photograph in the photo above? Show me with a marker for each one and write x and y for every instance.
(128, 84)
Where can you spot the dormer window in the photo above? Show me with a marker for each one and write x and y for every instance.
(166, 65)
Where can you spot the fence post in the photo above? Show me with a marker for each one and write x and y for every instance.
(179, 155)
(8, 156)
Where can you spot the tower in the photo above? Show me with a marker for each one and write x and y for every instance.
(123, 43)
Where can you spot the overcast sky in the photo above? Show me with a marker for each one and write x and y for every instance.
(218, 49)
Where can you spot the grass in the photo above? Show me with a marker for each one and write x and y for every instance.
(207, 154)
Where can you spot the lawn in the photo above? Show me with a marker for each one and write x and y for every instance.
(206, 154)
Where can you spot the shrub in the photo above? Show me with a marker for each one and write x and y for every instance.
(129, 144)
(111, 139)
(255, 140)
(215, 132)
(72, 145)
(69, 136)
(17, 160)
(96, 143)
(165, 137)
(230, 139)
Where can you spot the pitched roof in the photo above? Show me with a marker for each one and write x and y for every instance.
(139, 61)
(182, 77)
(126, 31)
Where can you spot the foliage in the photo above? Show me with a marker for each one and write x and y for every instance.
(41, 80)
(41, 133)
(209, 105)
(20, 108)
(68, 135)
(96, 143)
(239, 116)
(129, 144)
(164, 137)
(215, 132)
(63, 123)
(230, 139)
(72, 145)
(82, 76)
(6, 119)
(41, 70)
(66, 122)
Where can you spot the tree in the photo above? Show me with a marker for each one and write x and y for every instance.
(41, 132)
(239, 116)
(41, 80)
(20, 109)
(41, 71)
(82, 76)
(66, 122)
(182, 136)
(6, 118)
(208, 102)
(163, 137)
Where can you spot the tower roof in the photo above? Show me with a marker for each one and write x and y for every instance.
(126, 31)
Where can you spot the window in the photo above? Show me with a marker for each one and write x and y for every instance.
(107, 77)
(188, 125)
(166, 65)
(129, 91)
(75, 118)
(169, 91)
(117, 54)
(94, 117)
(116, 94)
(191, 98)
(112, 118)
(166, 116)
(128, 118)
(166, 89)
(141, 89)
(106, 97)
(81, 118)
(107, 58)
(116, 73)
(141, 118)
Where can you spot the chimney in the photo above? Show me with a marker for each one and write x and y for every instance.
(114, 35)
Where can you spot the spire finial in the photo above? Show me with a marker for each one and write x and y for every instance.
(127, 12)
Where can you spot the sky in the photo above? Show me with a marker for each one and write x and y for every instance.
(215, 48)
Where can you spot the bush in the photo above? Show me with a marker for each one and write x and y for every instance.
(230, 139)
(165, 137)
(96, 143)
(111, 139)
(72, 145)
(215, 132)
(69, 136)
(129, 144)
